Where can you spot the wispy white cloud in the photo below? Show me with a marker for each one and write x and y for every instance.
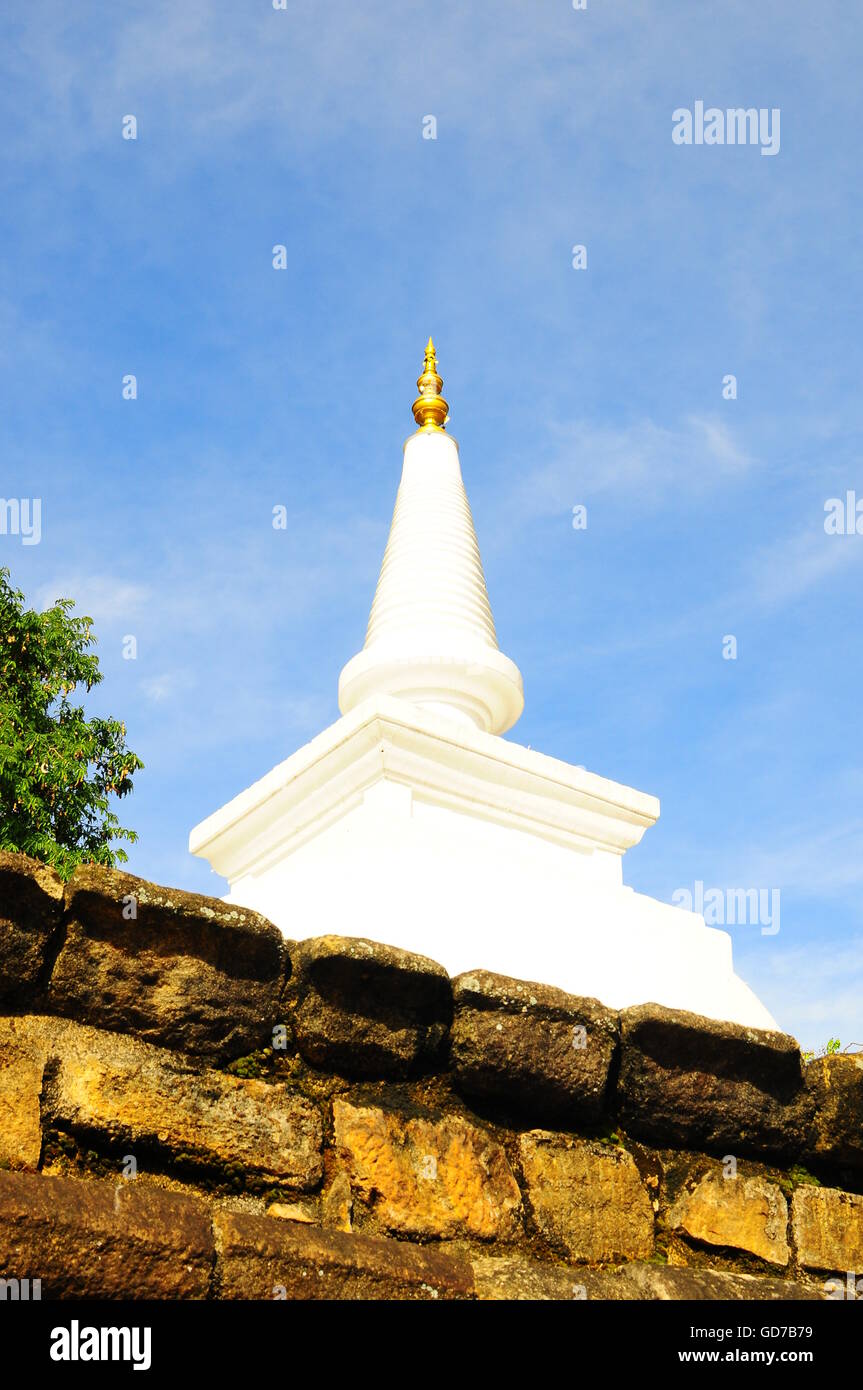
(810, 860)
(104, 598)
(813, 990)
(166, 685)
(789, 566)
(231, 63)
(773, 577)
(644, 461)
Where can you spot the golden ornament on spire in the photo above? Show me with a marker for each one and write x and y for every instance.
(430, 409)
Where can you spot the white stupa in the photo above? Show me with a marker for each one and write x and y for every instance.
(413, 822)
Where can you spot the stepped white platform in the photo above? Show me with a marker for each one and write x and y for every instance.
(411, 821)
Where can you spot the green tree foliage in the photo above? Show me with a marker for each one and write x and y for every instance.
(58, 770)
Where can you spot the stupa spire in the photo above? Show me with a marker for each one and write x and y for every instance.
(431, 637)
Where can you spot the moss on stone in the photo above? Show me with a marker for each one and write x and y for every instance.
(797, 1176)
(257, 1066)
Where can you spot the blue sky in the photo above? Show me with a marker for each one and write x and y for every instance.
(600, 387)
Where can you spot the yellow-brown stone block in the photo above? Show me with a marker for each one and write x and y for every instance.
(427, 1177)
(21, 1065)
(588, 1199)
(828, 1229)
(748, 1214)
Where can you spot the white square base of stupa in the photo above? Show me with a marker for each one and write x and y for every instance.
(411, 828)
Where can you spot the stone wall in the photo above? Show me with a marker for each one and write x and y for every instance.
(191, 1107)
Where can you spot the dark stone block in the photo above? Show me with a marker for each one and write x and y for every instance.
(695, 1082)
(836, 1085)
(262, 1257)
(367, 1010)
(103, 1240)
(185, 971)
(31, 909)
(531, 1048)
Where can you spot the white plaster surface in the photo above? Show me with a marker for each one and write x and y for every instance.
(411, 821)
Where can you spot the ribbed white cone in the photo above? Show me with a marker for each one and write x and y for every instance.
(432, 571)
(431, 636)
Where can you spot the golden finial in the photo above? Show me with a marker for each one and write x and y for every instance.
(430, 409)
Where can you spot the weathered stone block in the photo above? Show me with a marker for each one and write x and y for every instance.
(427, 1177)
(260, 1258)
(531, 1048)
(337, 1203)
(130, 1094)
(507, 1279)
(103, 1240)
(748, 1214)
(513, 1279)
(294, 1211)
(587, 1199)
(367, 1010)
(184, 971)
(20, 1086)
(836, 1083)
(696, 1082)
(828, 1229)
(31, 908)
(663, 1283)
